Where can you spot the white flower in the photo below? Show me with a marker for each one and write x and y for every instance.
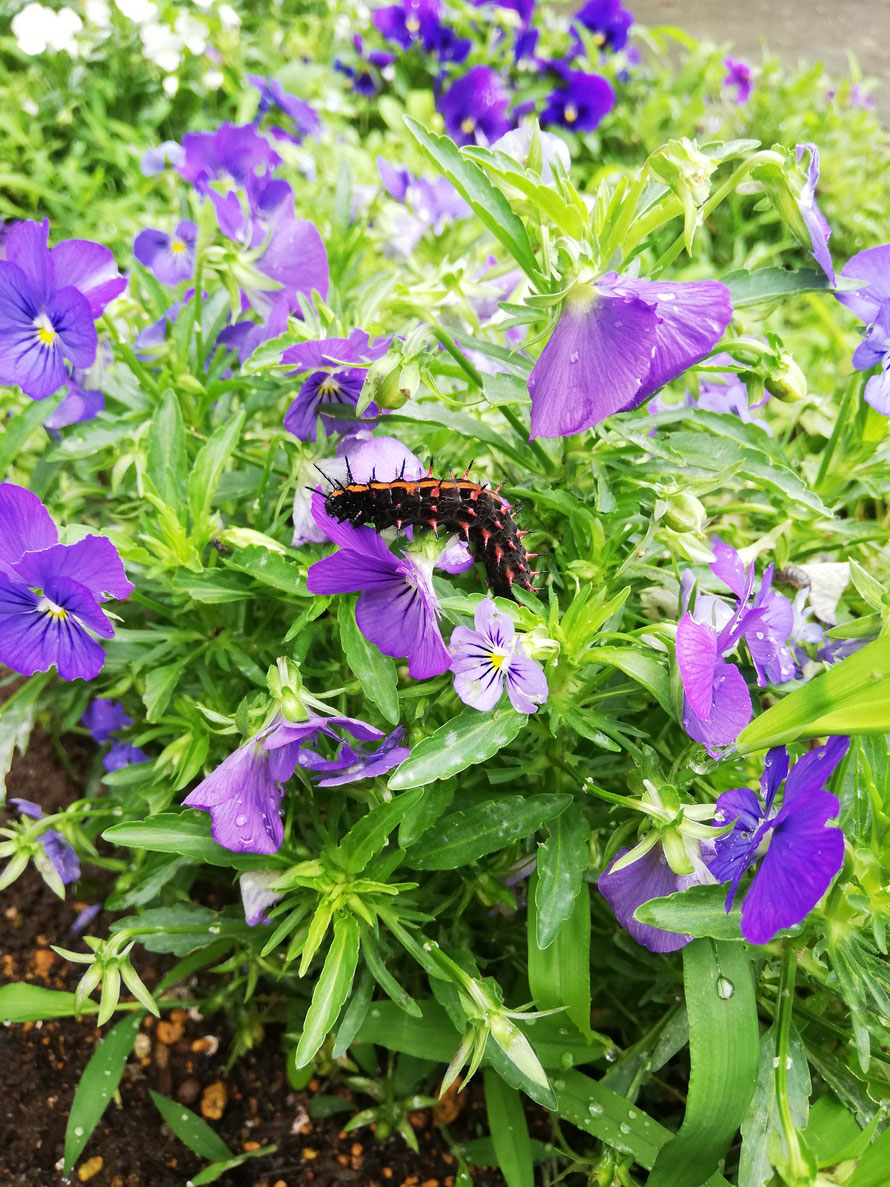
(37, 29)
(98, 14)
(162, 45)
(170, 85)
(516, 144)
(213, 80)
(228, 18)
(137, 10)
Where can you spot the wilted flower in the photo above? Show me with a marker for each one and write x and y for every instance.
(170, 257)
(617, 342)
(475, 107)
(871, 304)
(256, 895)
(580, 103)
(52, 625)
(803, 852)
(485, 659)
(815, 220)
(331, 382)
(353, 762)
(56, 854)
(738, 75)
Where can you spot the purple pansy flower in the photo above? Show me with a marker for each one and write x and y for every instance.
(475, 107)
(330, 382)
(410, 21)
(123, 754)
(397, 609)
(619, 340)
(816, 222)
(303, 117)
(766, 633)
(804, 853)
(57, 852)
(169, 154)
(361, 456)
(366, 75)
(433, 205)
(485, 659)
(580, 103)
(105, 717)
(75, 408)
(52, 625)
(871, 304)
(720, 391)
(170, 257)
(738, 75)
(49, 300)
(608, 21)
(356, 761)
(233, 150)
(243, 795)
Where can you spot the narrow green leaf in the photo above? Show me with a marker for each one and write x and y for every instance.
(216, 1170)
(23, 1002)
(331, 989)
(14, 433)
(772, 284)
(762, 1125)
(871, 1170)
(368, 835)
(207, 471)
(432, 806)
(192, 1130)
(471, 738)
(489, 204)
(17, 716)
(642, 668)
(375, 671)
(563, 860)
(504, 388)
(696, 911)
(509, 1131)
(465, 836)
(187, 834)
(270, 569)
(97, 1085)
(181, 928)
(167, 459)
(160, 684)
(724, 1050)
(559, 974)
(355, 1014)
(376, 963)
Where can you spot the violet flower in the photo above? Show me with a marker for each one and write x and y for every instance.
(815, 220)
(580, 103)
(397, 609)
(104, 717)
(355, 762)
(169, 154)
(719, 391)
(871, 304)
(619, 340)
(123, 754)
(304, 119)
(609, 22)
(331, 382)
(475, 107)
(49, 300)
(57, 852)
(409, 22)
(76, 407)
(433, 205)
(53, 624)
(367, 74)
(235, 151)
(170, 257)
(738, 75)
(649, 877)
(485, 659)
(803, 853)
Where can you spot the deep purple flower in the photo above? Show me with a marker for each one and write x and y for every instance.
(803, 853)
(608, 21)
(170, 257)
(52, 625)
(647, 878)
(816, 222)
(56, 850)
(485, 659)
(353, 762)
(105, 717)
(49, 300)
(366, 75)
(871, 304)
(617, 342)
(738, 75)
(581, 103)
(397, 609)
(410, 21)
(168, 155)
(243, 795)
(123, 754)
(330, 382)
(475, 107)
(237, 151)
(303, 117)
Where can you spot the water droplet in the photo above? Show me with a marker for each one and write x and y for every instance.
(183, 1116)
(595, 1109)
(559, 1085)
(108, 1071)
(624, 1128)
(375, 1013)
(776, 1061)
(631, 1113)
(240, 821)
(214, 929)
(725, 988)
(567, 1059)
(610, 1054)
(789, 1063)
(78, 1131)
(574, 356)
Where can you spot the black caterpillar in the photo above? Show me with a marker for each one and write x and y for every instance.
(477, 513)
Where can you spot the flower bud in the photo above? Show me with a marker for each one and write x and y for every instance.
(785, 380)
(685, 513)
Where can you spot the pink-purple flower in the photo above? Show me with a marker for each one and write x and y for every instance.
(490, 657)
(871, 304)
(738, 75)
(49, 301)
(617, 342)
(50, 592)
(333, 379)
(802, 851)
(170, 257)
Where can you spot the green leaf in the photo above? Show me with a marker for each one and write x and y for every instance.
(642, 668)
(432, 805)
(160, 684)
(470, 738)
(852, 697)
(375, 671)
(192, 1130)
(466, 836)
(166, 456)
(97, 1085)
(14, 433)
(871, 1170)
(216, 1170)
(368, 835)
(23, 1002)
(331, 989)
(489, 204)
(207, 471)
(762, 1121)
(183, 927)
(832, 1132)
(696, 911)
(772, 284)
(188, 835)
(509, 1131)
(563, 860)
(504, 388)
(724, 1051)
(17, 715)
(270, 569)
(559, 975)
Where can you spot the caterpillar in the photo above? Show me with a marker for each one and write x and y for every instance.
(477, 513)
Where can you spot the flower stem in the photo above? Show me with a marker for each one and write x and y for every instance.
(784, 1008)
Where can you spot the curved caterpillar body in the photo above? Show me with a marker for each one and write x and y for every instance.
(478, 514)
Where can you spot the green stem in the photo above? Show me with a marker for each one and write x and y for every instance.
(784, 1009)
(519, 428)
(837, 431)
(128, 355)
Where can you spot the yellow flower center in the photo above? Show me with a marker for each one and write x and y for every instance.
(412, 24)
(329, 386)
(468, 125)
(497, 659)
(571, 113)
(46, 335)
(599, 39)
(45, 606)
(177, 246)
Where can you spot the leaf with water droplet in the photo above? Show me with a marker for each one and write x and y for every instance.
(97, 1085)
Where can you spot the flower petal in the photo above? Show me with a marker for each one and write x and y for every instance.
(871, 266)
(90, 268)
(647, 878)
(94, 562)
(526, 683)
(730, 710)
(25, 524)
(243, 800)
(697, 659)
(400, 619)
(810, 773)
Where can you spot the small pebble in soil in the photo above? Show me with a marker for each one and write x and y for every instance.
(188, 1091)
(89, 1168)
(213, 1102)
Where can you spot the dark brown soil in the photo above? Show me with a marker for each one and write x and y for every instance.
(182, 1057)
